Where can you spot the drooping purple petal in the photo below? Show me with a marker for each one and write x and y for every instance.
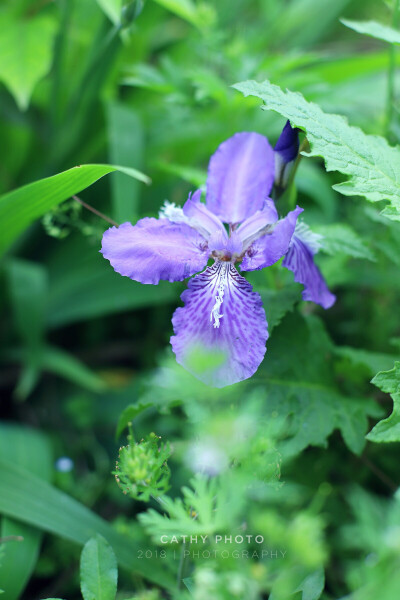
(300, 260)
(253, 227)
(223, 319)
(202, 219)
(155, 249)
(240, 176)
(269, 248)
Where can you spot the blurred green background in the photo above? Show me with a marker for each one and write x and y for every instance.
(146, 85)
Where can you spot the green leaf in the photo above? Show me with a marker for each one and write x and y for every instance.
(212, 499)
(65, 365)
(53, 511)
(98, 568)
(125, 140)
(58, 361)
(130, 413)
(25, 54)
(19, 208)
(295, 26)
(372, 361)
(189, 583)
(341, 238)
(372, 165)
(84, 286)
(29, 308)
(201, 16)
(388, 430)
(312, 586)
(29, 317)
(30, 449)
(112, 9)
(279, 302)
(192, 175)
(305, 393)
(374, 29)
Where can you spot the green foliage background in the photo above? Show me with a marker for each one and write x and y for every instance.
(305, 453)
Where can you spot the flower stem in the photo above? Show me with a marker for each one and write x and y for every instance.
(391, 72)
(287, 199)
(95, 211)
(182, 566)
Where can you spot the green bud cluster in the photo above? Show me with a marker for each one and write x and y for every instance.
(142, 470)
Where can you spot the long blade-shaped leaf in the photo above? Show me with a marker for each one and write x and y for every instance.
(28, 449)
(22, 206)
(31, 500)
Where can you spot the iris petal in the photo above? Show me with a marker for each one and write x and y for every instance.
(202, 219)
(223, 319)
(300, 260)
(240, 177)
(155, 249)
(253, 227)
(269, 248)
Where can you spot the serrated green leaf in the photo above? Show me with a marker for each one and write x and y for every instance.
(374, 29)
(341, 238)
(19, 208)
(213, 500)
(372, 165)
(305, 393)
(25, 54)
(372, 361)
(388, 430)
(98, 570)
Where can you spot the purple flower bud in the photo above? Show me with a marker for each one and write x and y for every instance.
(286, 151)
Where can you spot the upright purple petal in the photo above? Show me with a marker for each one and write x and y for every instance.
(202, 219)
(269, 248)
(240, 177)
(253, 227)
(300, 260)
(223, 319)
(155, 249)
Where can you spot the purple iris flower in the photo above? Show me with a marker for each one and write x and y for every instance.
(238, 224)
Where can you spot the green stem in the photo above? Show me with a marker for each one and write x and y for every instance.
(182, 567)
(391, 71)
(283, 195)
